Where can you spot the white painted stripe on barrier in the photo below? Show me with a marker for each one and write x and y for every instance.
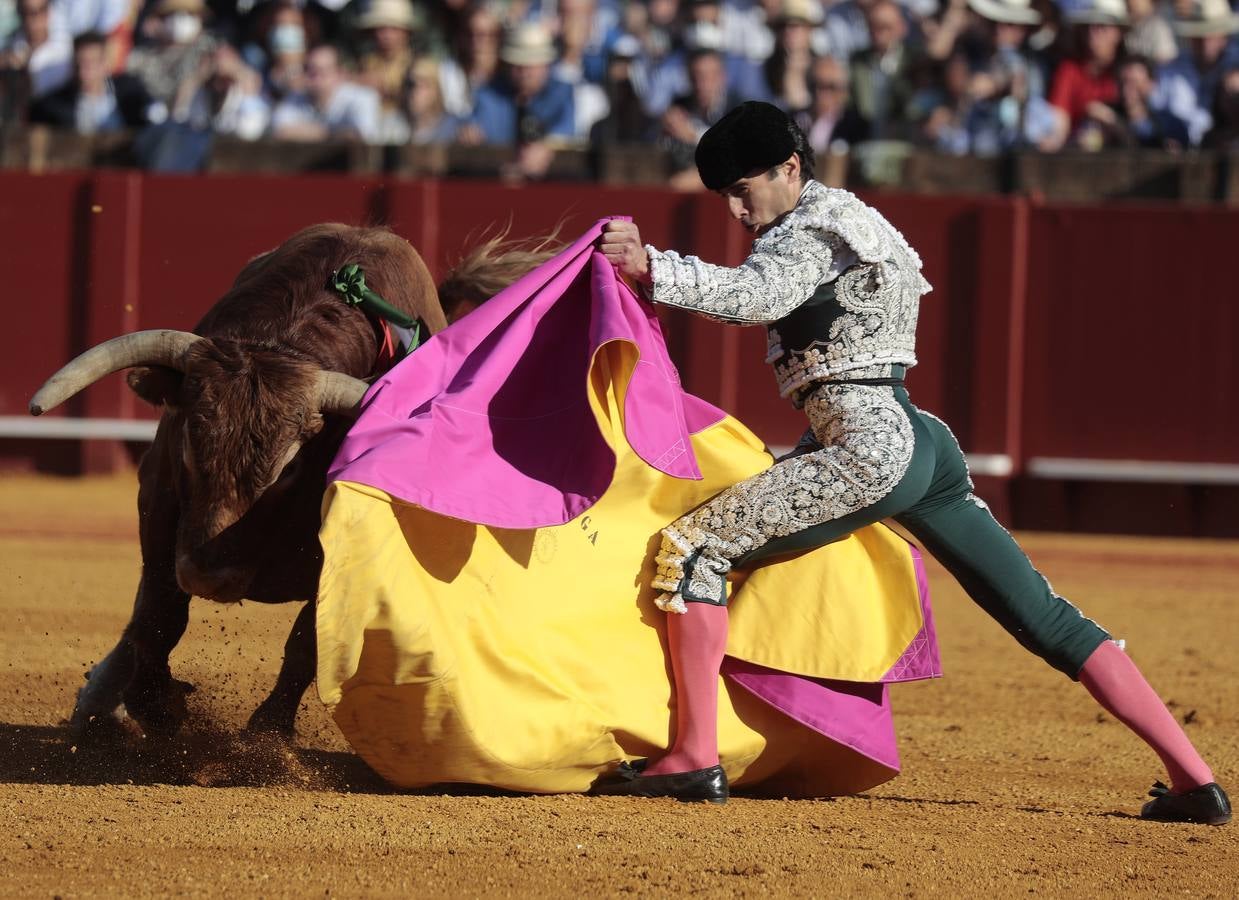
(1132, 470)
(996, 465)
(77, 429)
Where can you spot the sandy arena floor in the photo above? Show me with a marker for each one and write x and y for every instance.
(1014, 783)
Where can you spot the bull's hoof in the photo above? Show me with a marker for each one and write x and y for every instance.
(160, 711)
(105, 728)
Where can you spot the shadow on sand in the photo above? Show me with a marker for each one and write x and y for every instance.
(199, 755)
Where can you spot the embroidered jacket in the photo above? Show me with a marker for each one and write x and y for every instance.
(862, 324)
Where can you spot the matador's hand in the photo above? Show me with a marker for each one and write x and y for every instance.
(621, 244)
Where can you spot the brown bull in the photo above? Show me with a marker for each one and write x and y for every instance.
(256, 402)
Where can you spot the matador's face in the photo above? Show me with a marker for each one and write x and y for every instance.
(760, 200)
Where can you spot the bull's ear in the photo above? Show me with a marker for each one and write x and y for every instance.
(157, 385)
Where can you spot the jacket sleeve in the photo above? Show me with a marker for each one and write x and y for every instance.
(781, 273)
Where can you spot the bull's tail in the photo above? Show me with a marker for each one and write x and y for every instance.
(491, 266)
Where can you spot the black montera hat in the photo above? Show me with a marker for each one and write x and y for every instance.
(752, 136)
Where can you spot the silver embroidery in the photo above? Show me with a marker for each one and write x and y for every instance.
(880, 295)
(867, 443)
(776, 277)
(878, 327)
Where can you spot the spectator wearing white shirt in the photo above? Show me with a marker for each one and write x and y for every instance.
(94, 101)
(330, 106)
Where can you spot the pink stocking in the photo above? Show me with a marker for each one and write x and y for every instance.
(1115, 682)
(696, 641)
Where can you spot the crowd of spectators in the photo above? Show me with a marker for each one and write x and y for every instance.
(964, 76)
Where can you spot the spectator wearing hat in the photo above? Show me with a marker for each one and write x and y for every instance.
(787, 71)
(525, 106)
(94, 101)
(173, 46)
(830, 123)
(37, 58)
(993, 97)
(330, 106)
(1090, 74)
(474, 60)
(1002, 58)
(883, 75)
(388, 27)
(1208, 28)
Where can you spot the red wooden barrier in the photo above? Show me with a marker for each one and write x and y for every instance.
(1053, 333)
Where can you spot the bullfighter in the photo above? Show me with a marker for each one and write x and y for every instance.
(838, 290)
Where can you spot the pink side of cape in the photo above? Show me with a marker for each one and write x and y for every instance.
(489, 421)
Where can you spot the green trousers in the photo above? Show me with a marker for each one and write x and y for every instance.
(934, 501)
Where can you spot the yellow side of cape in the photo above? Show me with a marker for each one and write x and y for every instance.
(533, 659)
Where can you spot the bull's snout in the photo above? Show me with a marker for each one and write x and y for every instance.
(227, 585)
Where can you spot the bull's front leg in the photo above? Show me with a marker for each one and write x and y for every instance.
(278, 713)
(134, 677)
(160, 616)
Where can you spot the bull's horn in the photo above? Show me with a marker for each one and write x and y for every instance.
(142, 348)
(340, 393)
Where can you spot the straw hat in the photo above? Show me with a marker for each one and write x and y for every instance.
(808, 12)
(1008, 12)
(1099, 12)
(528, 44)
(1208, 17)
(388, 14)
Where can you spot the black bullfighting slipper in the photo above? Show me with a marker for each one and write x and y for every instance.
(700, 785)
(1207, 805)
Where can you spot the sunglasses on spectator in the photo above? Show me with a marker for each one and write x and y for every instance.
(829, 86)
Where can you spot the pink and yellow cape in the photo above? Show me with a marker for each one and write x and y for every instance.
(489, 531)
